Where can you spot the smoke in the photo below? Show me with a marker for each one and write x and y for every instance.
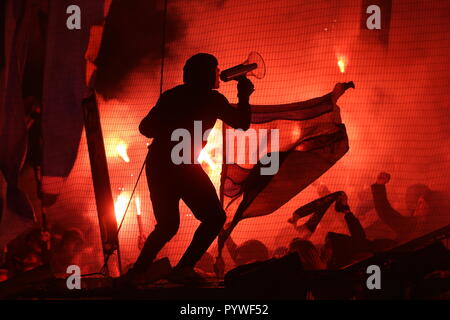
(133, 37)
(397, 117)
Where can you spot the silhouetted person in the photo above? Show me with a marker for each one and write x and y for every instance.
(339, 249)
(309, 254)
(67, 252)
(280, 252)
(178, 108)
(248, 252)
(427, 209)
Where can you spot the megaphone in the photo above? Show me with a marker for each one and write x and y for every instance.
(254, 66)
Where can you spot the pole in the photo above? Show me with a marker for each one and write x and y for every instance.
(100, 177)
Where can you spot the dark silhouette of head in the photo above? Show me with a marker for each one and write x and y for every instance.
(200, 71)
(309, 254)
(280, 252)
(72, 239)
(250, 251)
(336, 251)
(414, 193)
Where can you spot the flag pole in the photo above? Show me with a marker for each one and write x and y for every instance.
(223, 173)
(219, 265)
(100, 179)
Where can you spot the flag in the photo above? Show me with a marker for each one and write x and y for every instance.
(64, 90)
(17, 211)
(316, 209)
(312, 138)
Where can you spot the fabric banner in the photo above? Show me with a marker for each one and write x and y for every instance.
(64, 89)
(18, 23)
(312, 138)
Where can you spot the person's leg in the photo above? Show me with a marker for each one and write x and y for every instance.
(200, 196)
(165, 200)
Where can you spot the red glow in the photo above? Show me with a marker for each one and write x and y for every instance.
(342, 63)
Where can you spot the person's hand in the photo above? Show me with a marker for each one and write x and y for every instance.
(383, 178)
(322, 190)
(343, 198)
(245, 87)
(342, 203)
(292, 220)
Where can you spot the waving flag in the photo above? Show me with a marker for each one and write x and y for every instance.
(64, 89)
(312, 138)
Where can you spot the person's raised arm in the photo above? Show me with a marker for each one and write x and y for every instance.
(354, 226)
(237, 118)
(385, 212)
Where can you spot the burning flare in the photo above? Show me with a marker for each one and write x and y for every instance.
(121, 205)
(342, 63)
(211, 155)
(137, 201)
(122, 151)
(205, 157)
(207, 153)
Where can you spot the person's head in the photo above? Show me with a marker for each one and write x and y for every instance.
(69, 250)
(33, 240)
(416, 197)
(72, 240)
(341, 204)
(336, 250)
(31, 260)
(201, 70)
(280, 252)
(309, 255)
(57, 231)
(250, 251)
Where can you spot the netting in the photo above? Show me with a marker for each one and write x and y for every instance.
(396, 118)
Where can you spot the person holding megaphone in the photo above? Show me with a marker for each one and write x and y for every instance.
(195, 100)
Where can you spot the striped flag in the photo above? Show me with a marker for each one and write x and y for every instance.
(312, 138)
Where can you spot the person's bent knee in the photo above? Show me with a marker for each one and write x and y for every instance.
(217, 219)
(168, 231)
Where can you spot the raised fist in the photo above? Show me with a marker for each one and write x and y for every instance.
(383, 178)
(292, 220)
(342, 203)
